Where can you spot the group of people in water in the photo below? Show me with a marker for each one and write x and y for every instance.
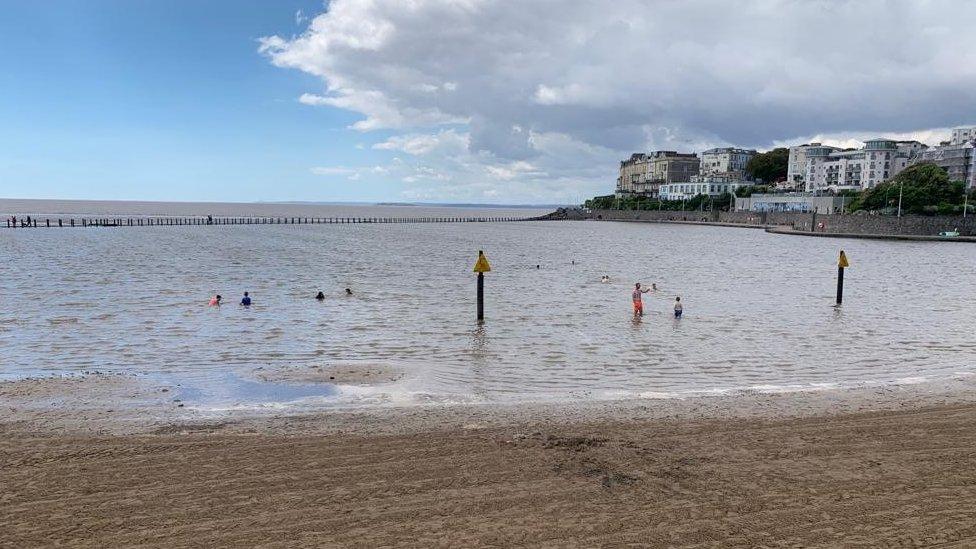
(637, 296)
(216, 300)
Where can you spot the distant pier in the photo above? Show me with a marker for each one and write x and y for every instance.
(168, 221)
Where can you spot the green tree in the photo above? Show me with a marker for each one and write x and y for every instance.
(769, 166)
(743, 192)
(924, 188)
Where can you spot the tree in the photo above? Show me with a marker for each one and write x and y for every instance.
(744, 192)
(769, 166)
(924, 188)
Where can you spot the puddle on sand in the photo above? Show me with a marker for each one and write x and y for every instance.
(231, 389)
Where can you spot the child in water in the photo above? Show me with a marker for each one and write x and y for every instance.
(677, 307)
(214, 301)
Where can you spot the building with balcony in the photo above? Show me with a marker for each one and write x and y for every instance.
(643, 174)
(957, 156)
(633, 174)
(671, 167)
(830, 169)
(796, 170)
(726, 161)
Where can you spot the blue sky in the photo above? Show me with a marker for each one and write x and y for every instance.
(482, 101)
(131, 99)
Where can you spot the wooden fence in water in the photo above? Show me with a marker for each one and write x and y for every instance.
(167, 221)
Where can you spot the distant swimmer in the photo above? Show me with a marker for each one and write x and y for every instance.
(677, 307)
(320, 296)
(638, 299)
(605, 279)
(246, 300)
(536, 266)
(654, 286)
(348, 291)
(214, 301)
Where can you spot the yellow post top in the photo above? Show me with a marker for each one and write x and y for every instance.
(481, 266)
(842, 261)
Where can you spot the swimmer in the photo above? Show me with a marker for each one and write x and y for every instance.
(638, 299)
(677, 307)
(653, 286)
(605, 279)
(246, 300)
(214, 301)
(348, 291)
(536, 266)
(320, 296)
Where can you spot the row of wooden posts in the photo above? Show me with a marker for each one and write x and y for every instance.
(179, 221)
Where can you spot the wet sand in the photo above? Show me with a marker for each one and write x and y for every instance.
(889, 466)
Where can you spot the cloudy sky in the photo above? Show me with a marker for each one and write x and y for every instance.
(464, 101)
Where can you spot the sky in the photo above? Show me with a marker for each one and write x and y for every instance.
(483, 101)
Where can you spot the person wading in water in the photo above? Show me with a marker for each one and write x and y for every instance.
(638, 300)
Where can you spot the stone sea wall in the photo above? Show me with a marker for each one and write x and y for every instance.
(844, 224)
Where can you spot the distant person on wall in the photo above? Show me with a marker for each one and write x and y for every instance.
(246, 300)
(214, 301)
(677, 307)
(638, 299)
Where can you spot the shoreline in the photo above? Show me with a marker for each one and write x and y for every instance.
(829, 468)
(126, 405)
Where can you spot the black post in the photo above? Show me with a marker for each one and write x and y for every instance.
(840, 285)
(481, 297)
(842, 263)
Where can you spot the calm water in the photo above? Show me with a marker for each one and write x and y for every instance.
(758, 307)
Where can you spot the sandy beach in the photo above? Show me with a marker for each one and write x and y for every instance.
(892, 466)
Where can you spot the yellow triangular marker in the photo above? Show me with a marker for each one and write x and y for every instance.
(842, 262)
(482, 266)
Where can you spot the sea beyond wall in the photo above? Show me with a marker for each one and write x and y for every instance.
(852, 224)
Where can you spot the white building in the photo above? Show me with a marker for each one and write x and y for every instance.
(793, 202)
(796, 170)
(857, 169)
(710, 186)
(957, 156)
(726, 161)
(962, 135)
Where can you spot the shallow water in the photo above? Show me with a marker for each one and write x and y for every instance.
(758, 308)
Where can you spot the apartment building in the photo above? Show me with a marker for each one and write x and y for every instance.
(672, 167)
(957, 156)
(643, 174)
(726, 161)
(796, 170)
(634, 173)
(857, 169)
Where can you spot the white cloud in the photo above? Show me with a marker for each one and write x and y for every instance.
(333, 170)
(522, 82)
